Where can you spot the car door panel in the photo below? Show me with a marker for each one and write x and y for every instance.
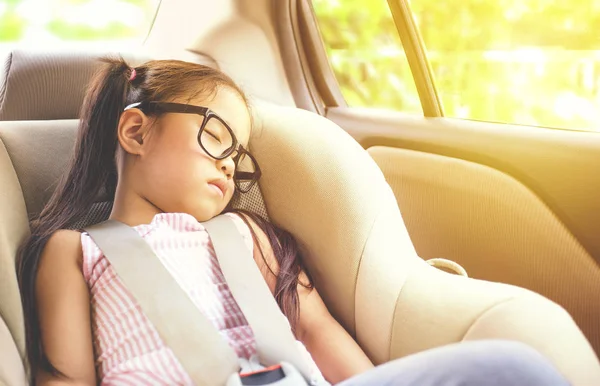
(509, 203)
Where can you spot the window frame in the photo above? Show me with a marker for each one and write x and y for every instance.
(295, 61)
(312, 80)
(416, 54)
(323, 74)
(159, 3)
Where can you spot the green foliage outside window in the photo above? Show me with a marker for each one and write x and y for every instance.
(58, 21)
(366, 54)
(533, 62)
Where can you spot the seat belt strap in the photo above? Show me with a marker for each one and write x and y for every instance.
(180, 324)
(274, 339)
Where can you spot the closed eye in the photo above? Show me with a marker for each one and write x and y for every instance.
(212, 135)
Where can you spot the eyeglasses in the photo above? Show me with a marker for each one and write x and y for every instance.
(215, 137)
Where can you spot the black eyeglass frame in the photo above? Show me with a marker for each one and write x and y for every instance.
(171, 107)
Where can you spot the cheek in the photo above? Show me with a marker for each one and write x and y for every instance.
(177, 165)
(173, 175)
(176, 174)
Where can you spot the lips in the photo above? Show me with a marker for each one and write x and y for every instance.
(221, 185)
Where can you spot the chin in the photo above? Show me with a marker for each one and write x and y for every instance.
(206, 213)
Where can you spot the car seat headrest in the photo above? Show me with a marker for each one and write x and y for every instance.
(39, 85)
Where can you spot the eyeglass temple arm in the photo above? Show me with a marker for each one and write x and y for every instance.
(245, 175)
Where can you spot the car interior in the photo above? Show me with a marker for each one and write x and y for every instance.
(370, 194)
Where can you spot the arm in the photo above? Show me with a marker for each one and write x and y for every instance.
(63, 306)
(336, 354)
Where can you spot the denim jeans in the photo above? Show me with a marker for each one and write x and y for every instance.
(477, 363)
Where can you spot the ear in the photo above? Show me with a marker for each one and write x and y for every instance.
(133, 127)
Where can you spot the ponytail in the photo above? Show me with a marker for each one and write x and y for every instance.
(92, 168)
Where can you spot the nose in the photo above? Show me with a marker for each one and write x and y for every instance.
(227, 166)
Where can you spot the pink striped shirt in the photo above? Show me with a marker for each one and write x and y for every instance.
(128, 349)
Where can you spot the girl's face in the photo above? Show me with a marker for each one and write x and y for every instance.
(175, 174)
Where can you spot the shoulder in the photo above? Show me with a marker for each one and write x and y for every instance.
(247, 224)
(63, 241)
(63, 249)
(262, 249)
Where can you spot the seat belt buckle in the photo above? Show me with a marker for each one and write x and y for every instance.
(283, 374)
(264, 376)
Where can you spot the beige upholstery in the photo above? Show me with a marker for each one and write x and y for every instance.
(493, 226)
(11, 365)
(323, 187)
(13, 229)
(365, 266)
(47, 140)
(51, 85)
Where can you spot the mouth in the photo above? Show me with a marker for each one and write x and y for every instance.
(219, 186)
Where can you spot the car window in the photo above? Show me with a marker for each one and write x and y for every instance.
(108, 24)
(366, 54)
(525, 62)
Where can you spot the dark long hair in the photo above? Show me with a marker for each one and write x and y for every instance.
(93, 171)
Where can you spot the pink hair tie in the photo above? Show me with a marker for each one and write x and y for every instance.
(133, 75)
